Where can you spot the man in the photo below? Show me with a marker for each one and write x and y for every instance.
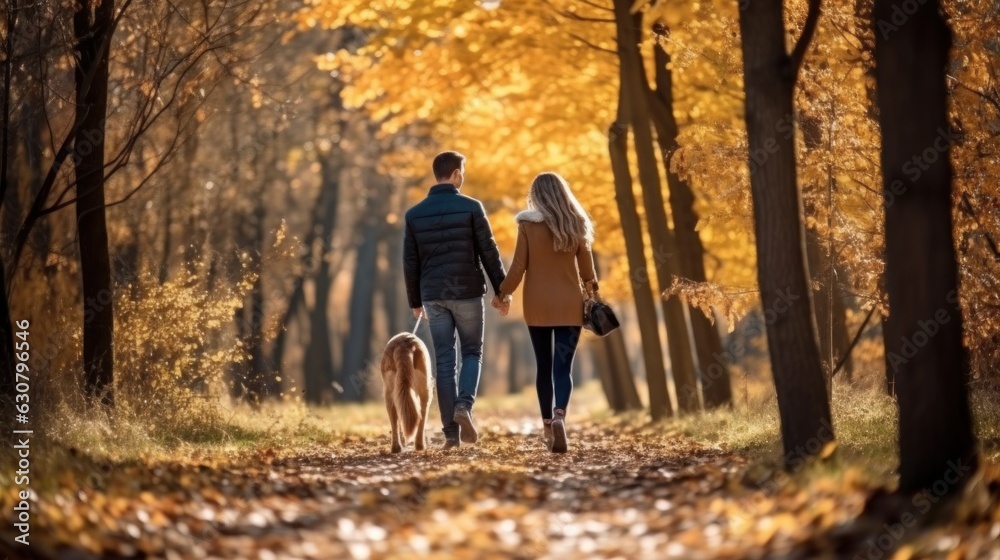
(447, 244)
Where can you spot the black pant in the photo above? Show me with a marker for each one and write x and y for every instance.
(554, 365)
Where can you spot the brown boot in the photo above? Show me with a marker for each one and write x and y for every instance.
(463, 417)
(547, 433)
(559, 440)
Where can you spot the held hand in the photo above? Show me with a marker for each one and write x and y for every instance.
(501, 305)
(505, 305)
(417, 311)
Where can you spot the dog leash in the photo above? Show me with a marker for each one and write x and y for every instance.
(415, 327)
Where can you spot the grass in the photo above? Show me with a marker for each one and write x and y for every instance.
(864, 419)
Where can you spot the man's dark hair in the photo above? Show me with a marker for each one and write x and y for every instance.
(446, 163)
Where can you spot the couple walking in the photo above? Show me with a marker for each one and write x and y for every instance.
(447, 245)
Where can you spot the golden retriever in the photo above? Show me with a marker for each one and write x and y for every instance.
(406, 388)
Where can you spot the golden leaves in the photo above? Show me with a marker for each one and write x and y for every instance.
(709, 297)
(518, 89)
(166, 343)
(507, 87)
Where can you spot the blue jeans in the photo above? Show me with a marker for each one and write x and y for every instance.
(555, 365)
(446, 317)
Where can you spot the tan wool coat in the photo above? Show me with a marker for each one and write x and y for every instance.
(552, 280)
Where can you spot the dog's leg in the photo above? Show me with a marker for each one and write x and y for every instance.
(390, 406)
(422, 385)
(425, 405)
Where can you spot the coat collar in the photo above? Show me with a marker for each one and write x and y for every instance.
(442, 188)
(529, 216)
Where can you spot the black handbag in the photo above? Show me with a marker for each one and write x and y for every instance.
(598, 316)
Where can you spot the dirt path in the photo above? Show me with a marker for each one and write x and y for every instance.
(619, 493)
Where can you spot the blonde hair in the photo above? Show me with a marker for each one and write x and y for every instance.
(569, 222)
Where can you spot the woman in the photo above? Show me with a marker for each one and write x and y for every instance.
(554, 237)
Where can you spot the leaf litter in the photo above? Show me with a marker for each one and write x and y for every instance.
(621, 492)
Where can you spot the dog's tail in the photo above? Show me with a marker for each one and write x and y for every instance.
(404, 396)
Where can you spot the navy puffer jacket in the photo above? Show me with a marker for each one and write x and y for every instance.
(447, 244)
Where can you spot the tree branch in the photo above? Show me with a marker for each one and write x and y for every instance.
(578, 17)
(808, 30)
(989, 98)
(857, 337)
(597, 6)
(967, 206)
(65, 150)
(593, 46)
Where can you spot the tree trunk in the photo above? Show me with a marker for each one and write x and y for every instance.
(92, 32)
(167, 217)
(634, 87)
(357, 347)
(318, 368)
(258, 386)
(237, 216)
(713, 369)
(252, 380)
(238, 369)
(769, 77)
(925, 335)
(618, 364)
(521, 372)
(9, 219)
(828, 297)
(652, 354)
(320, 213)
(830, 320)
(7, 371)
(125, 258)
(32, 129)
(621, 371)
(192, 249)
(841, 338)
(390, 279)
(258, 381)
(508, 332)
(14, 176)
(890, 374)
(295, 301)
(633, 107)
(358, 342)
(601, 358)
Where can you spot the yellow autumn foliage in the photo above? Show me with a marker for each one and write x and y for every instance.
(524, 86)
